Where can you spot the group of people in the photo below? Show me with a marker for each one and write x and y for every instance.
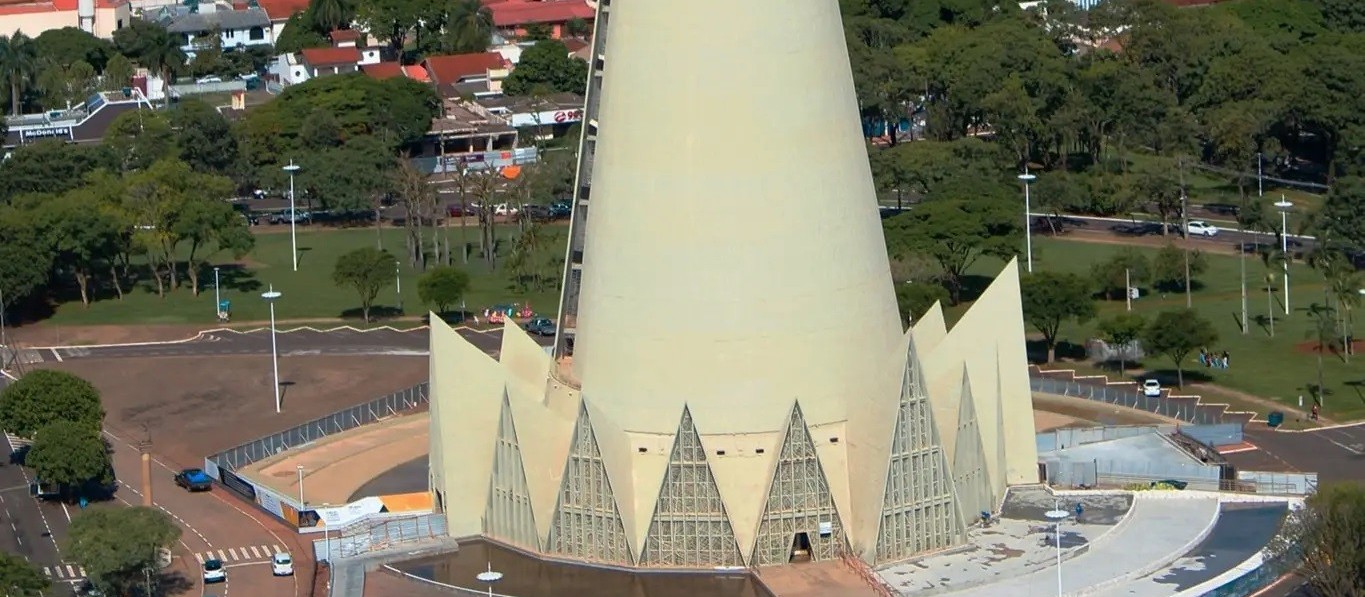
(1212, 359)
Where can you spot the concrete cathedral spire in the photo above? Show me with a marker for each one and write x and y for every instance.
(731, 385)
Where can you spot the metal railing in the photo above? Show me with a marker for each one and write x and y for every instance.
(380, 408)
(376, 535)
(1189, 409)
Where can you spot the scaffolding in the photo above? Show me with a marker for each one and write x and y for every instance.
(690, 527)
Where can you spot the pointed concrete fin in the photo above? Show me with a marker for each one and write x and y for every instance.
(799, 505)
(543, 459)
(690, 527)
(467, 387)
(973, 485)
(587, 524)
(999, 485)
(524, 360)
(742, 476)
(509, 516)
(919, 513)
(930, 329)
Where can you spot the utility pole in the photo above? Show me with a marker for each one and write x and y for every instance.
(1185, 231)
(1242, 256)
(145, 448)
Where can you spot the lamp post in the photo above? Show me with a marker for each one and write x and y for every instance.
(1260, 187)
(293, 235)
(1028, 217)
(270, 297)
(489, 577)
(217, 295)
(398, 280)
(1057, 515)
(301, 502)
(1284, 205)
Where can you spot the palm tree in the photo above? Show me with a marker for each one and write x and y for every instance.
(469, 28)
(162, 54)
(18, 65)
(330, 15)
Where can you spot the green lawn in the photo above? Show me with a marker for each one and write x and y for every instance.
(1261, 365)
(309, 293)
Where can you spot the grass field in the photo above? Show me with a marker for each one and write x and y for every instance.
(1279, 367)
(310, 293)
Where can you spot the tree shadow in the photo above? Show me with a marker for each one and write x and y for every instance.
(1177, 287)
(1358, 386)
(1192, 374)
(449, 317)
(377, 312)
(173, 582)
(232, 276)
(1129, 373)
(1065, 351)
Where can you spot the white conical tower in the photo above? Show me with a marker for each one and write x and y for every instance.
(734, 258)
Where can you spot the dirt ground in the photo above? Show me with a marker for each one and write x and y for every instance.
(1088, 412)
(79, 335)
(195, 406)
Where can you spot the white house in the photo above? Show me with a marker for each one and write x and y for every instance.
(236, 28)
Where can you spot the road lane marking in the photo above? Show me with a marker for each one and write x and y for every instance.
(222, 556)
(66, 511)
(246, 564)
(233, 552)
(199, 558)
(254, 552)
(57, 354)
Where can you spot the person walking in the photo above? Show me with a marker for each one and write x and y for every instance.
(1227, 361)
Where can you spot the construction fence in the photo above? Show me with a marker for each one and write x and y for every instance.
(375, 534)
(1189, 409)
(380, 408)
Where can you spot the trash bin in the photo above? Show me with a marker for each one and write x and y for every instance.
(1275, 419)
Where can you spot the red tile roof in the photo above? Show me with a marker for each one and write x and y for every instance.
(383, 70)
(574, 45)
(281, 10)
(451, 68)
(512, 13)
(24, 7)
(416, 73)
(341, 35)
(330, 56)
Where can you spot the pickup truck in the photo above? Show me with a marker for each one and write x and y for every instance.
(194, 479)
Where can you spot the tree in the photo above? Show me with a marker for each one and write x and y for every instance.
(50, 166)
(150, 45)
(1343, 214)
(330, 15)
(1114, 275)
(18, 578)
(442, 287)
(367, 270)
(69, 45)
(116, 545)
(300, 33)
(43, 397)
(469, 27)
(1052, 298)
(1175, 334)
(1323, 539)
(25, 262)
(138, 138)
(1158, 189)
(1168, 267)
(545, 68)
(210, 226)
(204, 137)
(914, 299)
(69, 454)
(118, 73)
(1120, 331)
(18, 66)
(390, 20)
(64, 86)
(955, 232)
(82, 237)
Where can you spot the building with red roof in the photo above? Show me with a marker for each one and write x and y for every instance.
(512, 17)
(383, 70)
(330, 61)
(459, 75)
(280, 11)
(32, 18)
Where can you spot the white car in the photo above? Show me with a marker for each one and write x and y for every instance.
(1198, 228)
(209, 79)
(282, 564)
(214, 572)
(1151, 388)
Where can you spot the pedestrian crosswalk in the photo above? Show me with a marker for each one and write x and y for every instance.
(16, 442)
(64, 572)
(250, 553)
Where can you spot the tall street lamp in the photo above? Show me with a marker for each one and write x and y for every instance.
(301, 502)
(270, 297)
(217, 295)
(293, 235)
(1284, 205)
(490, 576)
(1028, 217)
(1057, 515)
(398, 280)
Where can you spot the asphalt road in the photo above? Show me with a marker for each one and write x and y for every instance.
(292, 343)
(35, 527)
(1336, 454)
(1130, 229)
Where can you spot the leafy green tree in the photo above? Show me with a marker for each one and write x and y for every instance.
(1342, 15)
(330, 15)
(351, 177)
(25, 262)
(117, 74)
(1343, 214)
(1159, 190)
(955, 233)
(1168, 267)
(1176, 334)
(18, 578)
(83, 238)
(150, 45)
(18, 66)
(204, 137)
(69, 454)
(1113, 275)
(43, 397)
(390, 20)
(442, 287)
(547, 67)
(49, 166)
(1120, 331)
(138, 138)
(116, 545)
(914, 299)
(69, 45)
(368, 270)
(299, 33)
(64, 86)
(1323, 538)
(469, 27)
(166, 202)
(209, 226)
(1051, 299)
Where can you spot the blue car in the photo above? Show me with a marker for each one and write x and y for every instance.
(194, 479)
(540, 326)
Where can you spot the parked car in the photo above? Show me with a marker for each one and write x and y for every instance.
(214, 572)
(194, 479)
(208, 80)
(1151, 388)
(560, 210)
(503, 209)
(536, 213)
(281, 564)
(540, 326)
(1199, 228)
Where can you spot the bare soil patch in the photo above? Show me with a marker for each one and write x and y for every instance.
(1089, 411)
(40, 334)
(195, 406)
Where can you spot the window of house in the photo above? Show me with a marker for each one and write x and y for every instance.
(255, 34)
